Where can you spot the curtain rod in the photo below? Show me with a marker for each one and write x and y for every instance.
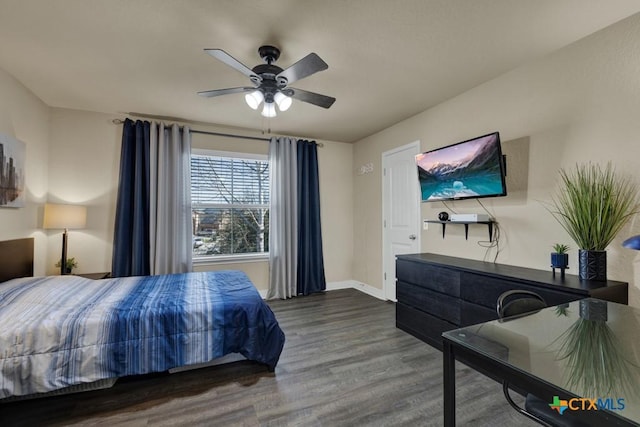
(227, 135)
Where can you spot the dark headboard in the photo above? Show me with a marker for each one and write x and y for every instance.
(16, 259)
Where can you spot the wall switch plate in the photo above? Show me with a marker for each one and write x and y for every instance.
(425, 224)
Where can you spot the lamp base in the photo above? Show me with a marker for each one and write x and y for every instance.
(63, 258)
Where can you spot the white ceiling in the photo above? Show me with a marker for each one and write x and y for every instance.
(388, 59)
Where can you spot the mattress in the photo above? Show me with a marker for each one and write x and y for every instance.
(59, 331)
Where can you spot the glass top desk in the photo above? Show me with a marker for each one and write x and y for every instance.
(587, 350)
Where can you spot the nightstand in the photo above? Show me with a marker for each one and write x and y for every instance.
(95, 276)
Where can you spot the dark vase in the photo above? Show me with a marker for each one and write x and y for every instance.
(559, 260)
(593, 309)
(592, 265)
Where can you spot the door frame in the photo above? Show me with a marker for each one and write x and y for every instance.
(416, 145)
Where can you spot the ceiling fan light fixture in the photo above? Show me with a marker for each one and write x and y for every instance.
(271, 83)
(283, 101)
(254, 99)
(269, 109)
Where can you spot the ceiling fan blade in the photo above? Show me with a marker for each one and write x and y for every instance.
(307, 66)
(218, 92)
(311, 97)
(223, 56)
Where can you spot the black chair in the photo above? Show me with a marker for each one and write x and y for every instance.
(520, 303)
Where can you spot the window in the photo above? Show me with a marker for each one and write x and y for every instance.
(230, 204)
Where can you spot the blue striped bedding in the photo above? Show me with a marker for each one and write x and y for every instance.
(60, 331)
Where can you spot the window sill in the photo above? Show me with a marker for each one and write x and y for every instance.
(230, 259)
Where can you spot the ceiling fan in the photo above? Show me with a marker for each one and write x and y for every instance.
(271, 83)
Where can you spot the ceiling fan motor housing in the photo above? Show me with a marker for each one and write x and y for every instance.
(269, 54)
(268, 84)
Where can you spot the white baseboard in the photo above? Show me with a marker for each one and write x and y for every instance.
(345, 284)
(354, 284)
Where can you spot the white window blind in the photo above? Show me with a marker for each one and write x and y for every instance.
(230, 199)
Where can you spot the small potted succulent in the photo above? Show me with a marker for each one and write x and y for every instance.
(69, 266)
(560, 258)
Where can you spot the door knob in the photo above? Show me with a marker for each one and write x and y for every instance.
(412, 237)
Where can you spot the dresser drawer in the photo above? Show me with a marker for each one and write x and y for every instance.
(471, 314)
(485, 290)
(442, 280)
(434, 303)
(422, 325)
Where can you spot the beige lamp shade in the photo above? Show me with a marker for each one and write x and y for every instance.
(64, 216)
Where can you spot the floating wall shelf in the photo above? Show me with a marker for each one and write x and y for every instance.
(466, 226)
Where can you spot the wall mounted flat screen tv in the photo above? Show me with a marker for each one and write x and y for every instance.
(468, 169)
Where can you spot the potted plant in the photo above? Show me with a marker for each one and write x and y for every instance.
(592, 205)
(562, 309)
(560, 258)
(69, 266)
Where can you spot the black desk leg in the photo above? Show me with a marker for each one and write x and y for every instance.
(449, 396)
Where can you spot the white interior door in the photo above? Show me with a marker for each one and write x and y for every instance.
(400, 212)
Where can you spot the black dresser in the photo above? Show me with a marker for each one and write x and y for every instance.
(437, 293)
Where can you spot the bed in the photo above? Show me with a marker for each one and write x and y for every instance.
(60, 332)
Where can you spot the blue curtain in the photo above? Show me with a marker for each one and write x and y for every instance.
(310, 275)
(131, 236)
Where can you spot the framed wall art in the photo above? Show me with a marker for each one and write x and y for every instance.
(12, 159)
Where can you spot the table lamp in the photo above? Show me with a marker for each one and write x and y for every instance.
(64, 217)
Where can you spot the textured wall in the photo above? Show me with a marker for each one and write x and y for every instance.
(25, 117)
(578, 104)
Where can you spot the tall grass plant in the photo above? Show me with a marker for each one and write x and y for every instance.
(594, 204)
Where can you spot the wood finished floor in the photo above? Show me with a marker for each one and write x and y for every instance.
(344, 364)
